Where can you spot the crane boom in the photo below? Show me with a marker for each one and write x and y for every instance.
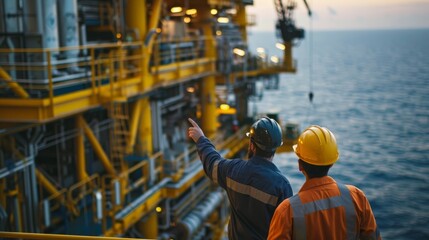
(285, 26)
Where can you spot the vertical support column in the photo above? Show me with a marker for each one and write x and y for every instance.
(208, 96)
(241, 18)
(287, 58)
(145, 130)
(136, 16)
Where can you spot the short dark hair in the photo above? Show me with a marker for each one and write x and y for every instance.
(261, 153)
(314, 171)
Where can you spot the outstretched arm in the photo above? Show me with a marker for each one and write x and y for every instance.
(214, 165)
(195, 132)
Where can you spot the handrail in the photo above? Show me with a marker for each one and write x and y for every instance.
(22, 235)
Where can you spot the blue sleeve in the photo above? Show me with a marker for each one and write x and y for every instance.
(215, 166)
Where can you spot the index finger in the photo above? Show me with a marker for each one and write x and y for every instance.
(193, 122)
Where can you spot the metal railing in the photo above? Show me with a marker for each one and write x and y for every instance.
(50, 72)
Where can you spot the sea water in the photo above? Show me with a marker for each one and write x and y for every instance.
(371, 89)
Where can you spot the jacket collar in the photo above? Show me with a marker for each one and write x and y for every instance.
(317, 182)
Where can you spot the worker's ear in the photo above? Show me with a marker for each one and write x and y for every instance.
(300, 166)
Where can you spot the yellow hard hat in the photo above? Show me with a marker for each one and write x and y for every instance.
(317, 146)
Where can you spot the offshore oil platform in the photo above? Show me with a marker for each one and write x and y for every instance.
(94, 101)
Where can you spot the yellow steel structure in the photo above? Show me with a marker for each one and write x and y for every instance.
(21, 235)
(96, 145)
(46, 183)
(80, 151)
(127, 189)
(16, 88)
(208, 97)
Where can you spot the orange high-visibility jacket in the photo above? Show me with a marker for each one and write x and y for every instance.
(323, 209)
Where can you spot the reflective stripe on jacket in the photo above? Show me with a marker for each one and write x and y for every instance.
(324, 210)
(254, 187)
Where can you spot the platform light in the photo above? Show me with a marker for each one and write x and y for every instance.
(260, 50)
(176, 9)
(232, 11)
(224, 107)
(190, 89)
(274, 59)
(239, 52)
(158, 209)
(218, 33)
(213, 11)
(187, 19)
(191, 11)
(223, 20)
(280, 46)
(118, 35)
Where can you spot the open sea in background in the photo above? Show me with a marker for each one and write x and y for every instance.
(371, 89)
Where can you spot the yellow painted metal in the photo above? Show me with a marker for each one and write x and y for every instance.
(14, 86)
(208, 102)
(155, 14)
(80, 190)
(80, 151)
(148, 226)
(46, 183)
(287, 59)
(22, 235)
(41, 110)
(136, 17)
(176, 192)
(134, 126)
(145, 128)
(140, 211)
(241, 19)
(208, 95)
(97, 146)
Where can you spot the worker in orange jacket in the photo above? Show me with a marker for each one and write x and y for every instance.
(323, 208)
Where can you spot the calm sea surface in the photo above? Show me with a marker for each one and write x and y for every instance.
(372, 90)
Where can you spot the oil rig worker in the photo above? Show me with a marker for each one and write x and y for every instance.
(323, 208)
(254, 187)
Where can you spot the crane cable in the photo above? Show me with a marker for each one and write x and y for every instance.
(310, 57)
(310, 68)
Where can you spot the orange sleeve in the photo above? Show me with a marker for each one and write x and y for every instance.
(281, 223)
(367, 224)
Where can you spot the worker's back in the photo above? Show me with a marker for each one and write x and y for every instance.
(255, 188)
(324, 209)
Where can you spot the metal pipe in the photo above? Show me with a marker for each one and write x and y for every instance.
(137, 202)
(193, 220)
(68, 19)
(47, 213)
(117, 188)
(99, 205)
(97, 147)
(4, 172)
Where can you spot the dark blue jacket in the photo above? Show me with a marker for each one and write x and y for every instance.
(254, 187)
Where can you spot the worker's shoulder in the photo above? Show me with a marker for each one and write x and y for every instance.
(355, 191)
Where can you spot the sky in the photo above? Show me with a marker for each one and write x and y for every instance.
(347, 14)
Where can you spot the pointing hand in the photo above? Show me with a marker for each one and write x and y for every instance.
(195, 132)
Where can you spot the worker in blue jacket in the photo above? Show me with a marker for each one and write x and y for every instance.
(255, 187)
